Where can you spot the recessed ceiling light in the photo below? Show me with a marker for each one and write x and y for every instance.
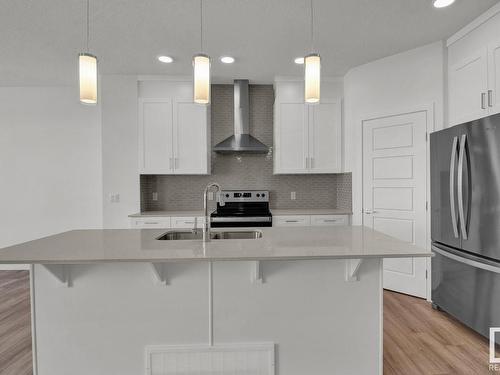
(299, 60)
(442, 3)
(165, 59)
(227, 59)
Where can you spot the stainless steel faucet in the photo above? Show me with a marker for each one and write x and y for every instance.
(206, 225)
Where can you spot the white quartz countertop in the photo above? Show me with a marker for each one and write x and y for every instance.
(276, 212)
(277, 243)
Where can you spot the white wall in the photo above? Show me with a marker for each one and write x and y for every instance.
(120, 149)
(407, 81)
(50, 163)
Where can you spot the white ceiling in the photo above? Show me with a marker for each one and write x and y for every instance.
(40, 39)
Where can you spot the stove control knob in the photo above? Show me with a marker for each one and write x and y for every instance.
(258, 195)
(263, 195)
(227, 195)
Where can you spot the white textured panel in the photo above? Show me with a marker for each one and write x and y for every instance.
(227, 359)
(401, 229)
(392, 167)
(399, 265)
(393, 198)
(394, 136)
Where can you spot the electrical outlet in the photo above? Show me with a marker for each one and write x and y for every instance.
(114, 198)
(293, 196)
(155, 196)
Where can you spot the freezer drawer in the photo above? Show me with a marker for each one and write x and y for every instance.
(467, 288)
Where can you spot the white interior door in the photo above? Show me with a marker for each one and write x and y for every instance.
(190, 138)
(394, 192)
(325, 137)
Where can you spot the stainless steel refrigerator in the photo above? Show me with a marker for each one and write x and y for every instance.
(465, 222)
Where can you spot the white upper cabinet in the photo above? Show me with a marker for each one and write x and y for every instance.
(174, 132)
(468, 86)
(325, 134)
(474, 69)
(155, 136)
(494, 77)
(307, 138)
(190, 136)
(291, 140)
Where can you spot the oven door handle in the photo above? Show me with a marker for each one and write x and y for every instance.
(469, 260)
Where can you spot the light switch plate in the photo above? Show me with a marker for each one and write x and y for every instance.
(293, 195)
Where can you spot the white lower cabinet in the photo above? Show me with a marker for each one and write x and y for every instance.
(329, 220)
(187, 222)
(290, 221)
(310, 220)
(150, 222)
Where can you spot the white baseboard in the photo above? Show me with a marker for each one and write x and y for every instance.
(14, 267)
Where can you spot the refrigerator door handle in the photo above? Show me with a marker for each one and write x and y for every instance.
(461, 211)
(452, 186)
(468, 259)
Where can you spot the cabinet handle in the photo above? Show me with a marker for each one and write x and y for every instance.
(483, 100)
(151, 223)
(312, 162)
(307, 162)
(291, 221)
(490, 98)
(170, 163)
(176, 163)
(331, 220)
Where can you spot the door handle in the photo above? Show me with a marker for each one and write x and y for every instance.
(461, 211)
(483, 100)
(452, 186)
(490, 98)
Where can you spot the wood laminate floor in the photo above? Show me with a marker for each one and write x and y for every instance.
(15, 323)
(417, 339)
(421, 341)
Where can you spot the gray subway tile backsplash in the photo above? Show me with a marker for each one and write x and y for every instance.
(246, 171)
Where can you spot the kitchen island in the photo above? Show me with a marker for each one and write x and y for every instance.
(286, 301)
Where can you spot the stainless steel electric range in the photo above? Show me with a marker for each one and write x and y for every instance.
(242, 208)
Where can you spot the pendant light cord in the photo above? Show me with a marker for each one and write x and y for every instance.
(312, 25)
(88, 32)
(201, 25)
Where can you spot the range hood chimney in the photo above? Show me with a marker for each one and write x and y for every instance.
(241, 141)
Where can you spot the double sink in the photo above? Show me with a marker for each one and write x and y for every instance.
(214, 235)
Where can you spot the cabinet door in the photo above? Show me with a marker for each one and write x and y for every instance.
(468, 86)
(325, 138)
(494, 77)
(291, 138)
(188, 222)
(190, 138)
(292, 221)
(155, 136)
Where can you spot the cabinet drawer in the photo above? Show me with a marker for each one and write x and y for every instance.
(150, 222)
(296, 220)
(187, 222)
(318, 220)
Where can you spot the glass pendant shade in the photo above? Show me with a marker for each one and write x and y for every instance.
(201, 66)
(88, 78)
(312, 77)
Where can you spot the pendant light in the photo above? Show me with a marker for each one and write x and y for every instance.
(87, 64)
(312, 70)
(201, 70)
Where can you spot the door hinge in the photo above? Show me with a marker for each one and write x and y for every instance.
(426, 136)
(426, 274)
(427, 206)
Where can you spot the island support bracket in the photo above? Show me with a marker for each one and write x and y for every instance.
(352, 269)
(62, 272)
(160, 273)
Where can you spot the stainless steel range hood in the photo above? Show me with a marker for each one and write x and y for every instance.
(241, 141)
